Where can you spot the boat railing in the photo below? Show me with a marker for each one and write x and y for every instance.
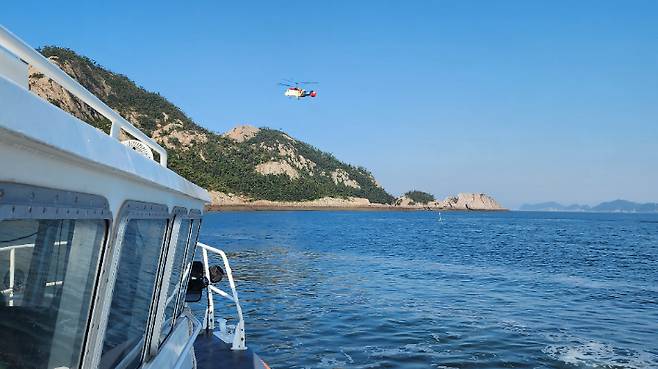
(18, 47)
(234, 334)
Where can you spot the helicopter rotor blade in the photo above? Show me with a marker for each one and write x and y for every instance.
(308, 83)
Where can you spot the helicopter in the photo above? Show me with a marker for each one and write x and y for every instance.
(294, 89)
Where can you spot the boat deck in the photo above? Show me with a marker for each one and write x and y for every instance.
(213, 353)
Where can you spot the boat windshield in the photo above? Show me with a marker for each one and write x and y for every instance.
(47, 277)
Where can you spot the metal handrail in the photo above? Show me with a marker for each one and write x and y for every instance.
(22, 50)
(239, 339)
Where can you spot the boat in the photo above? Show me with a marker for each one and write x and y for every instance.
(100, 260)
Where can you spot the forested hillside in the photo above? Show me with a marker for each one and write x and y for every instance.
(260, 163)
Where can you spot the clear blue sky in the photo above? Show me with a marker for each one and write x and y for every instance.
(526, 100)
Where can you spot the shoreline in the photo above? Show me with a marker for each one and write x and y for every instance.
(462, 202)
(261, 207)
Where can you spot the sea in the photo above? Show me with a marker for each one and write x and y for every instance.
(358, 289)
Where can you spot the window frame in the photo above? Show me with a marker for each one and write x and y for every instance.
(178, 215)
(130, 210)
(197, 219)
(19, 201)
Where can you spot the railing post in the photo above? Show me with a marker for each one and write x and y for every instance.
(239, 339)
(12, 260)
(210, 312)
(115, 131)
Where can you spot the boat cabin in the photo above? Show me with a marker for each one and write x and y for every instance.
(98, 241)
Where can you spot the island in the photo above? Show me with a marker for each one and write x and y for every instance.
(247, 167)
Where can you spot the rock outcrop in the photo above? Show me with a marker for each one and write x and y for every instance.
(405, 201)
(242, 133)
(341, 176)
(52, 91)
(173, 136)
(463, 201)
(470, 201)
(277, 167)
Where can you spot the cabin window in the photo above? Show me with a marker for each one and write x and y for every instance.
(187, 264)
(48, 270)
(49, 259)
(181, 239)
(141, 245)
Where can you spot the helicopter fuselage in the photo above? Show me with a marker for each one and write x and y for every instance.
(299, 92)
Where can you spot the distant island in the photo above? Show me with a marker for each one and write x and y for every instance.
(616, 206)
(245, 168)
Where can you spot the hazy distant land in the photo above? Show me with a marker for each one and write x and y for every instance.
(616, 206)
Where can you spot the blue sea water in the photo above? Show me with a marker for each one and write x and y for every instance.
(460, 290)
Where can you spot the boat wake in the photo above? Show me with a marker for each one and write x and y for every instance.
(595, 354)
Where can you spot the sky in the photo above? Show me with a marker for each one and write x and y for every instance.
(528, 101)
